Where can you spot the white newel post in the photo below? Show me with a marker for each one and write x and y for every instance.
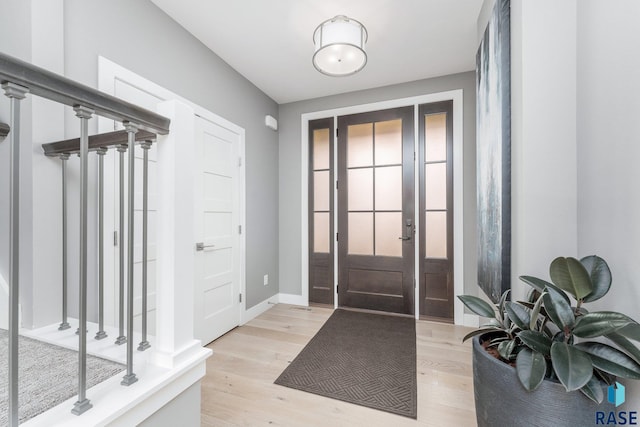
(176, 240)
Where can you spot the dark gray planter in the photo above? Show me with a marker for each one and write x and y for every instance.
(502, 401)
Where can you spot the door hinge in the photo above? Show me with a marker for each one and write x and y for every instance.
(239, 297)
(414, 155)
(336, 185)
(239, 229)
(336, 237)
(338, 289)
(239, 161)
(414, 283)
(115, 238)
(337, 132)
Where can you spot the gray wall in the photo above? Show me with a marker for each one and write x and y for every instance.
(609, 150)
(290, 171)
(543, 137)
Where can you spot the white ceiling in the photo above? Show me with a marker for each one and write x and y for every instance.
(270, 41)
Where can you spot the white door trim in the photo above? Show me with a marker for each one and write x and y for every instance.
(458, 175)
(108, 73)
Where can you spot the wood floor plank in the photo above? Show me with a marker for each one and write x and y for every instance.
(238, 389)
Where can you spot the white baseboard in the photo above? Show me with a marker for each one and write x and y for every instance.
(292, 299)
(471, 320)
(261, 307)
(258, 309)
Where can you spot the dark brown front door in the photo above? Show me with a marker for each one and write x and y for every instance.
(376, 210)
(321, 211)
(436, 210)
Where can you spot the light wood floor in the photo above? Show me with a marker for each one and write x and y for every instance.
(238, 389)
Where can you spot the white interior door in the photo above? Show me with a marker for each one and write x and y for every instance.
(218, 263)
(219, 210)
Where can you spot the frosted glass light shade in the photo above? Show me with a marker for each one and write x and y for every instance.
(340, 46)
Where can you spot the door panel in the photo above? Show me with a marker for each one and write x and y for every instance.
(436, 210)
(376, 210)
(217, 303)
(321, 231)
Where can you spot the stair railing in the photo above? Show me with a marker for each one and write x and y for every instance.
(19, 78)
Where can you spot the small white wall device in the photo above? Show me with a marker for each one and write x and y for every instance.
(271, 122)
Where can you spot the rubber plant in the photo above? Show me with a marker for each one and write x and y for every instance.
(551, 335)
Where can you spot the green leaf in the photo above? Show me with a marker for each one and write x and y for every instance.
(572, 366)
(505, 348)
(518, 314)
(631, 331)
(531, 368)
(526, 304)
(492, 323)
(503, 299)
(536, 312)
(626, 345)
(611, 360)
(495, 341)
(600, 323)
(593, 390)
(536, 341)
(479, 332)
(478, 306)
(600, 276)
(558, 309)
(570, 275)
(540, 285)
(605, 377)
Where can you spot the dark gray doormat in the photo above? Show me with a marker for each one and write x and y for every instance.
(362, 358)
(48, 375)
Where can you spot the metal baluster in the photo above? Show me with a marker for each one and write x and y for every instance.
(121, 338)
(83, 403)
(144, 344)
(65, 324)
(101, 334)
(15, 93)
(130, 377)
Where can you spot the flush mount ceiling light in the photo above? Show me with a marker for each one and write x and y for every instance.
(339, 46)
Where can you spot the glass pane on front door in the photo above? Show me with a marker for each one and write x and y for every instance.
(388, 145)
(374, 170)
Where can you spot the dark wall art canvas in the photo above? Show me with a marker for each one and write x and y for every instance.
(493, 145)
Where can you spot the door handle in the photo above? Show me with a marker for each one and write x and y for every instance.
(200, 246)
(409, 231)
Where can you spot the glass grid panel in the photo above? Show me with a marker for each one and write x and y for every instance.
(321, 191)
(383, 228)
(435, 137)
(388, 142)
(388, 231)
(389, 188)
(360, 233)
(360, 196)
(321, 151)
(321, 232)
(436, 234)
(435, 177)
(360, 146)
